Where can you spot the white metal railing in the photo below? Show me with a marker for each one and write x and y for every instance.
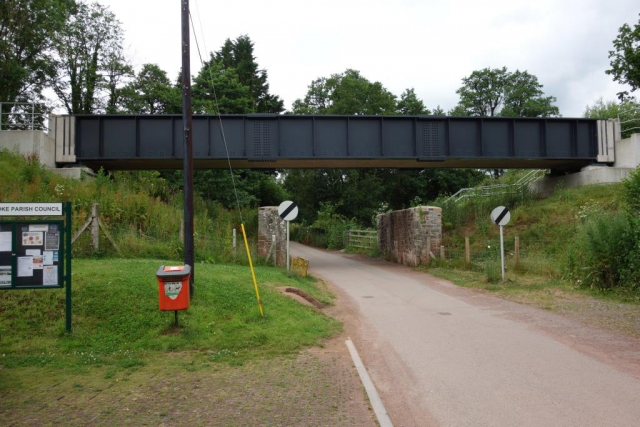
(22, 116)
(498, 189)
(635, 119)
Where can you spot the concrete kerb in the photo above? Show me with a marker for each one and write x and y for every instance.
(376, 403)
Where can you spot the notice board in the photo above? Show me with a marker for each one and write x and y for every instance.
(32, 254)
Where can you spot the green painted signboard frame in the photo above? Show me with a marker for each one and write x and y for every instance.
(60, 226)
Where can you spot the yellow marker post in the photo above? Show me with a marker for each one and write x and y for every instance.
(253, 274)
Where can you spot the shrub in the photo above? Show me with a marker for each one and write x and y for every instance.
(599, 254)
(630, 274)
(631, 192)
(328, 231)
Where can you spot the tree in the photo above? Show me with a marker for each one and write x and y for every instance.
(91, 37)
(438, 111)
(524, 97)
(151, 92)
(238, 56)
(26, 31)
(233, 97)
(625, 58)
(346, 93)
(492, 92)
(26, 63)
(117, 72)
(628, 111)
(411, 105)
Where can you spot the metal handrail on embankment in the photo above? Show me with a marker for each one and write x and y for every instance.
(22, 116)
(498, 189)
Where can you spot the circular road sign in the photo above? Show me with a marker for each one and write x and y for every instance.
(288, 210)
(500, 216)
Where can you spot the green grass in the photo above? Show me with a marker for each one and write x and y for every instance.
(116, 320)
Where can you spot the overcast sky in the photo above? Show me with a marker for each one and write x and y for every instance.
(427, 45)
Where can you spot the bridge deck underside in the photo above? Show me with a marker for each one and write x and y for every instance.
(292, 141)
(153, 164)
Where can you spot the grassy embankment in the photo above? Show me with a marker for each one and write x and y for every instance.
(139, 209)
(552, 234)
(116, 321)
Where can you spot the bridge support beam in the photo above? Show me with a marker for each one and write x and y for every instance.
(403, 235)
(269, 225)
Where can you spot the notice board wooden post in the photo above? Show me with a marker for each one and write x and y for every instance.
(67, 268)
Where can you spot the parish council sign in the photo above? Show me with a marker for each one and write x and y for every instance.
(31, 209)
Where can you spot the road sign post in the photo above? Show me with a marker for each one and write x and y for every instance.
(501, 216)
(502, 252)
(288, 211)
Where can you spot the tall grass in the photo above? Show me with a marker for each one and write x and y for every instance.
(138, 208)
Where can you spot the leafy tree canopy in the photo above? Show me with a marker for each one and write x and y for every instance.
(498, 92)
(151, 92)
(27, 28)
(625, 58)
(237, 58)
(233, 96)
(91, 39)
(346, 93)
(411, 105)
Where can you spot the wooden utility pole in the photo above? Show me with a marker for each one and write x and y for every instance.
(187, 152)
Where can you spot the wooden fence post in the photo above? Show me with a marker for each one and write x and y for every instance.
(441, 251)
(233, 245)
(467, 250)
(95, 228)
(517, 250)
(182, 231)
(96, 225)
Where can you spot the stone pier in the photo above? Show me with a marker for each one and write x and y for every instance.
(402, 235)
(270, 224)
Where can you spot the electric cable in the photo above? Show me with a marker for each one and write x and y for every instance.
(224, 140)
(215, 98)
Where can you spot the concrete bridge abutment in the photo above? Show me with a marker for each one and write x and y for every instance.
(626, 158)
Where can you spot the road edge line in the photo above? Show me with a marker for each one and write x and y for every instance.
(378, 407)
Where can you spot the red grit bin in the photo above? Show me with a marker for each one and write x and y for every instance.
(173, 287)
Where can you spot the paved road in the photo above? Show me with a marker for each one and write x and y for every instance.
(443, 355)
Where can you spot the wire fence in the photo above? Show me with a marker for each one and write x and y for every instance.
(533, 254)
